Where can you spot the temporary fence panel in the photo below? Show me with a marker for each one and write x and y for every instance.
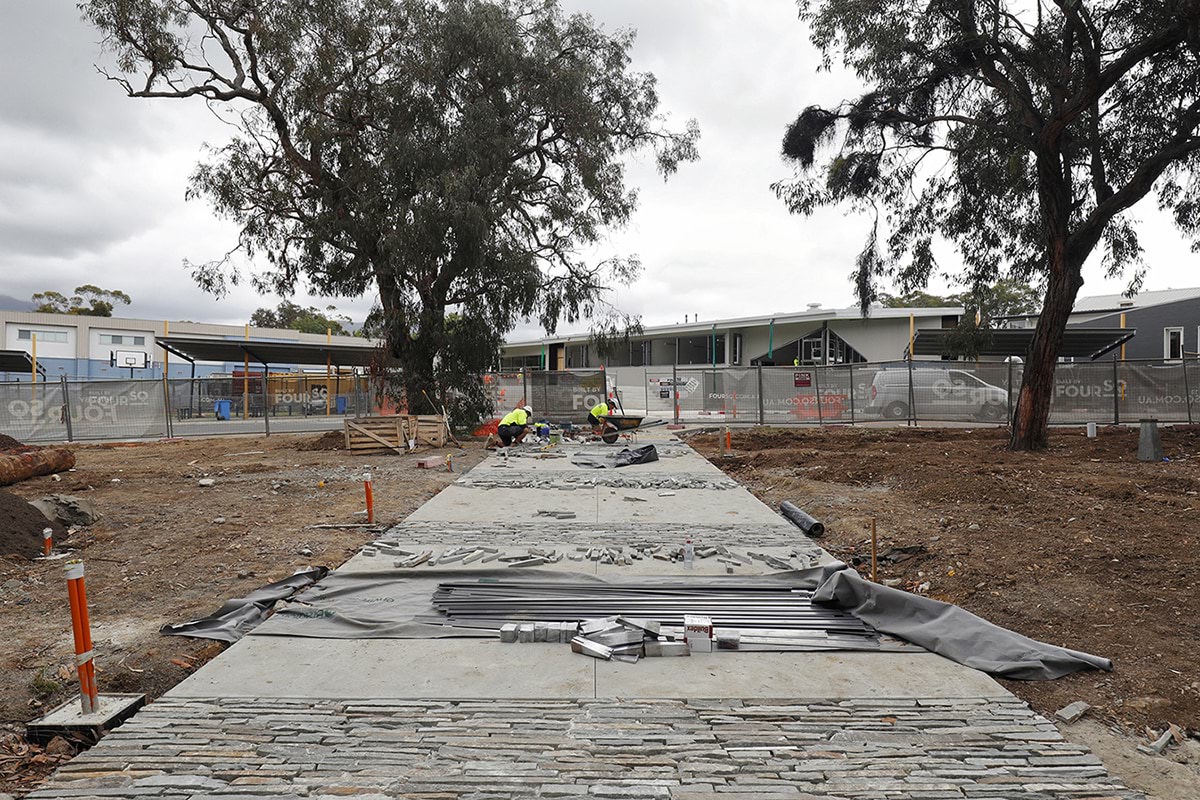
(954, 392)
(118, 409)
(565, 396)
(33, 412)
(1152, 391)
(791, 395)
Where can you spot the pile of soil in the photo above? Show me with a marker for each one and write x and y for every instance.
(1080, 545)
(21, 527)
(331, 440)
(8, 443)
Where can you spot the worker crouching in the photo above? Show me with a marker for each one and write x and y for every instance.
(514, 426)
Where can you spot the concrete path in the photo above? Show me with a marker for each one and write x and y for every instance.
(318, 718)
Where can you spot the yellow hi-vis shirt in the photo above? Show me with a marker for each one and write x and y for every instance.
(600, 410)
(516, 417)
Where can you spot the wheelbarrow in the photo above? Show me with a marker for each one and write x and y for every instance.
(613, 425)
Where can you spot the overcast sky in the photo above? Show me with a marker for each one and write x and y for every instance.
(92, 183)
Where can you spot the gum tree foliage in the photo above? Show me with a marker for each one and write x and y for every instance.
(87, 301)
(1022, 132)
(306, 320)
(453, 156)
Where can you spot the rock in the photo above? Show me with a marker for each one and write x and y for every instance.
(60, 747)
(1073, 712)
(304, 551)
(924, 588)
(1148, 704)
(206, 482)
(219, 521)
(12, 585)
(67, 509)
(974, 526)
(892, 582)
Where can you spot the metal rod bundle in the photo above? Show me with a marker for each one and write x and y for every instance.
(735, 605)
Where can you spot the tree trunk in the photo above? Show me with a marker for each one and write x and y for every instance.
(1032, 418)
(15, 467)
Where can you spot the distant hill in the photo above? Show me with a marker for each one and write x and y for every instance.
(8, 303)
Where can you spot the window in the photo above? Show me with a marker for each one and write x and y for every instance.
(117, 338)
(43, 336)
(1173, 343)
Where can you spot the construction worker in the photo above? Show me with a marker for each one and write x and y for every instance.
(599, 410)
(514, 426)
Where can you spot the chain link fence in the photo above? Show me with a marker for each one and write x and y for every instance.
(922, 391)
(919, 391)
(66, 411)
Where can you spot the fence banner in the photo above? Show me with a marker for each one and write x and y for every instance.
(118, 409)
(33, 412)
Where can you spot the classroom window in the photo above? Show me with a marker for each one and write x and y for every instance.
(43, 336)
(1173, 343)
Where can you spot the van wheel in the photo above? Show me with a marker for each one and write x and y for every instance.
(895, 410)
(991, 412)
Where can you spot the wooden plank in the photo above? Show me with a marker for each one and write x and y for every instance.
(371, 435)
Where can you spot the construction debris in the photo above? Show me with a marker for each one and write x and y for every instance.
(1073, 712)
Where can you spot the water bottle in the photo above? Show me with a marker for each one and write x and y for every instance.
(689, 554)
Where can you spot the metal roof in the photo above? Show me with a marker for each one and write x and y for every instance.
(814, 315)
(1077, 342)
(18, 361)
(1119, 302)
(194, 348)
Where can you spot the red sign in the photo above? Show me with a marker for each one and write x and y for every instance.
(802, 379)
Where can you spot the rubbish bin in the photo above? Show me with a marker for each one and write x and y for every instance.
(340, 404)
(223, 408)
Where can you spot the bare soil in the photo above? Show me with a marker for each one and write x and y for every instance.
(167, 549)
(1081, 545)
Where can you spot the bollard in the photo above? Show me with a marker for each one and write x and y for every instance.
(1091, 430)
(370, 498)
(728, 441)
(81, 627)
(1149, 441)
(47, 541)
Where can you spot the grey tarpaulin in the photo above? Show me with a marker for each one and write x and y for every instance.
(645, 454)
(240, 615)
(950, 631)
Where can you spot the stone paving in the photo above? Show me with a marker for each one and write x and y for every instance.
(283, 724)
(925, 750)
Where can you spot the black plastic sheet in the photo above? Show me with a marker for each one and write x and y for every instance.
(240, 615)
(949, 630)
(626, 457)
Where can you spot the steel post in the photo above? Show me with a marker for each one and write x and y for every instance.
(1187, 392)
(1010, 407)
(66, 407)
(1116, 393)
(851, 392)
(761, 398)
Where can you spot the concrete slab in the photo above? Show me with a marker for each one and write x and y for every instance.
(463, 504)
(276, 666)
(835, 676)
(684, 506)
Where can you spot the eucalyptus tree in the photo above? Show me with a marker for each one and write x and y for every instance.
(1024, 132)
(454, 156)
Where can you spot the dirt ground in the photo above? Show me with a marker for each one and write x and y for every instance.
(1082, 545)
(167, 549)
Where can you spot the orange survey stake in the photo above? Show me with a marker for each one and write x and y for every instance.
(370, 497)
(81, 628)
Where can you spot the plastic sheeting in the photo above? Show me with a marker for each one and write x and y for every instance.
(645, 454)
(398, 605)
(949, 630)
(240, 615)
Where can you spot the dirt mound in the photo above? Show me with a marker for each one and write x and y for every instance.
(9, 443)
(21, 527)
(331, 440)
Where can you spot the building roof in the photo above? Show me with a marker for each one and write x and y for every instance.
(1119, 302)
(1078, 342)
(18, 361)
(811, 315)
(266, 352)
